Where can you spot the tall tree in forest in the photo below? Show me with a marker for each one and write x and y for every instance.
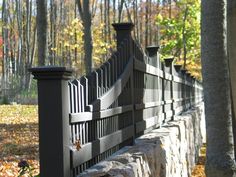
(5, 32)
(146, 23)
(120, 9)
(42, 31)
(29, 46)
(85, 15)
(220, 148)
(231, 41)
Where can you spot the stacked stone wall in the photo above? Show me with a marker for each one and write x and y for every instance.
(169, 151)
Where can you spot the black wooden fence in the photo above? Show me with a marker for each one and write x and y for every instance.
(83, 121)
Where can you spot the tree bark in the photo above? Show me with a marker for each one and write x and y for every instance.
(42, 31)
(220, 150)
(86, 18)
(184, 36)
(5, 47)
(120, 9)
(146, 23)
(231, 41)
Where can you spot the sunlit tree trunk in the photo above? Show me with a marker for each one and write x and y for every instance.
(220, 148)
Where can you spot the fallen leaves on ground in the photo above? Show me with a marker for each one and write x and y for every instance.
(18, 138)
(199, 169)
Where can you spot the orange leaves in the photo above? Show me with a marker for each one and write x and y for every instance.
(78, 145)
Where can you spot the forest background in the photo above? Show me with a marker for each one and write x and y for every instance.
(174, 25)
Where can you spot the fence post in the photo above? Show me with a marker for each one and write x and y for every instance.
(123, 32)
(188, 75)
(183, 71)
(54, 134)
(153, 55)
(152, 52)
(169, 63)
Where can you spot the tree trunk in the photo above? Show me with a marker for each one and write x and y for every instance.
(5, 47)
(120, 9)
(146, 23)
(88, 46)
(42, 31)
(231, 41)
(220, 151)
(184, 36)
(86, 18)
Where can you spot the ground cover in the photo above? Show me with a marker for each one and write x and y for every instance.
(198, 170)
(18, 138)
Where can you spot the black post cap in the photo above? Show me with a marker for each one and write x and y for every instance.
(178, 67)
(123, 26)
(168, 61)
(188, 74)
(123, 32)
(152, 50)
(51, 72)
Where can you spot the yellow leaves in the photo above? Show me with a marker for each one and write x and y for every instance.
(199, 169)
(159, 18)
(54, 49)
(71, 39)
(75, 22)
(66, 44)
(18, 114)
(76, 46)
(194, 67)
(65, 30)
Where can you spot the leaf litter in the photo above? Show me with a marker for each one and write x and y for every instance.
(18, 138)
(199, 169)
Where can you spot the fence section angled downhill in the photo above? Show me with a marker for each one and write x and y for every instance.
(84, 121)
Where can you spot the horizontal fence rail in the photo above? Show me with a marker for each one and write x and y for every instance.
(130, 94)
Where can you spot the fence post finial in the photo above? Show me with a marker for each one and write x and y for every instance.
(168, 61)
(177, 67)
(152, 52)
